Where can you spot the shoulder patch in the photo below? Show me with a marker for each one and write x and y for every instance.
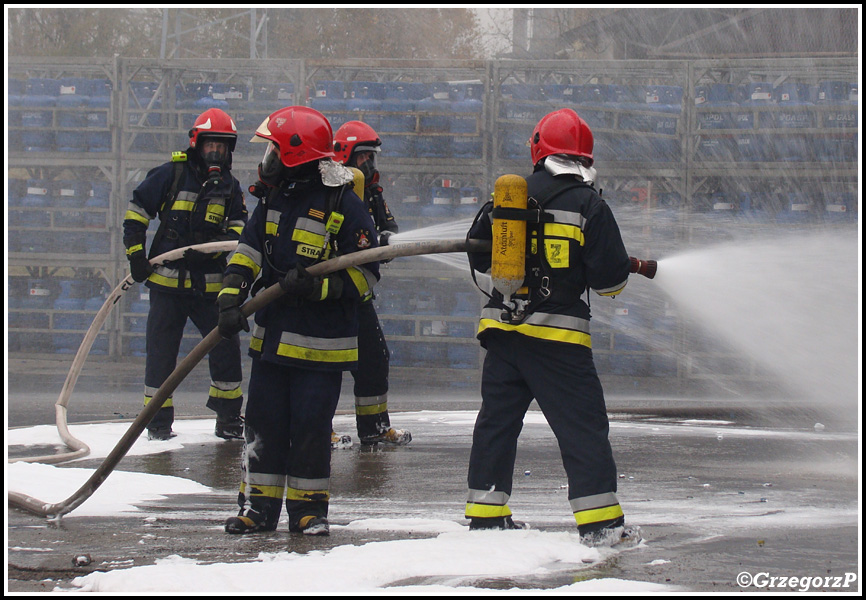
(316, 214)
(362, 239)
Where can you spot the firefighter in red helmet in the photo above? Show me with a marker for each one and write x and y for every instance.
(572, 245)
(196, 199)
(302, 342)
(356, 145)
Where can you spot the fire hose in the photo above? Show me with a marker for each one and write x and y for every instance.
(78, 448)
(263, 298)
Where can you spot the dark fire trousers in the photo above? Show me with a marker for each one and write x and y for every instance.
(371, 376)
(165, 324)
(287, 433)
(563, 380)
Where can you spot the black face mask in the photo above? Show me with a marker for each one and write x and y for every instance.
(215, 161)
(273, 172)
(368, 169)
(271, 169)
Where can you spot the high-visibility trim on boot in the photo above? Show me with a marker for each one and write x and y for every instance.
(266, 485)
(228, 390)
(263, 491)
(596, 509)
(371, 405)
(473, 509)
(147, 398)
(310, 490)
(484, 503)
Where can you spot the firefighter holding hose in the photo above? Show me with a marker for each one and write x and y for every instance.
(196, 199)
(553, 239)
(302, 342)
(356, 145)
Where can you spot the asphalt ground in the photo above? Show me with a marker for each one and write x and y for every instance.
(717, 487)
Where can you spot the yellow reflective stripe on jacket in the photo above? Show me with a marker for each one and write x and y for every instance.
(307, 238)
(215, 213)
(257, 338)
(333, 350)
(134, 249)
(170, 281)
(612, 291)
(562, 230)
(546, 326)
(170, 278)
(183, 205)
(272, 222)
(363, 279)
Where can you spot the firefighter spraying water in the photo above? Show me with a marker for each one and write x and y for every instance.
(553, 240)
(508, 257)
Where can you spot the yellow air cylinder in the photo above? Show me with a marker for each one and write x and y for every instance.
(357, 182)
(508, 256)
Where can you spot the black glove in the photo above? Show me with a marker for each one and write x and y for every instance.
(299, 283)
(231, 319)
(140, 266)
(333, 289)
(194, 257)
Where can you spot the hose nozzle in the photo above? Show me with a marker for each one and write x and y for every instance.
(647, 268)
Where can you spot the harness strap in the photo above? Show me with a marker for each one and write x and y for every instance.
(168, 201)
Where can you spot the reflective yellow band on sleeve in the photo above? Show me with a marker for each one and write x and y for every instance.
(359, 280)
(134, 216)
(243, 260)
